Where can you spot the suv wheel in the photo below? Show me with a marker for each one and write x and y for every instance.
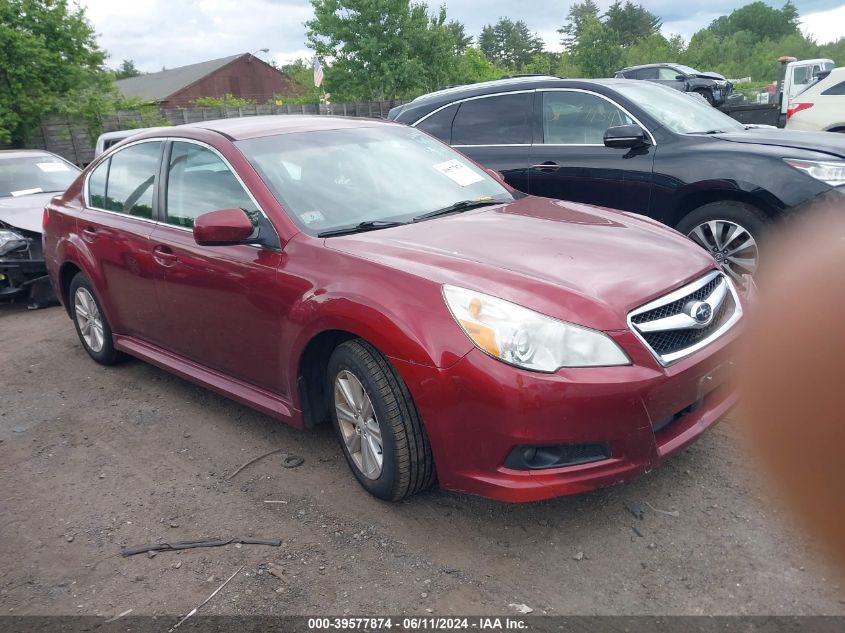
(90, 321)
(380, 430)
(731, 232)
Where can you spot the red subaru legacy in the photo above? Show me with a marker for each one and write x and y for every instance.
(363, 273)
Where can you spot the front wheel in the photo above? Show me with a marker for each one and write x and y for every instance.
(380, 430)
(731, 232)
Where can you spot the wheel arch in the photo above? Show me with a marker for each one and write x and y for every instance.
(67, 271)
(692, 200)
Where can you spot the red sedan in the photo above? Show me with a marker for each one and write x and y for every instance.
(363, 273)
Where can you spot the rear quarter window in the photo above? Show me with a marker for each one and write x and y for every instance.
(97, 186)
(835, 90)
(439, 124)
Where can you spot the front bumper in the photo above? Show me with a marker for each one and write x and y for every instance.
(479, 409)
(18, 275)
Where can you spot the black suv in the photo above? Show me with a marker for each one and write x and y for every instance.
(641, 147)
(712, 86)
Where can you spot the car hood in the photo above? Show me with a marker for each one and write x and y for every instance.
(25, 212)
(812, 141)
(576, 262)
(714, 76)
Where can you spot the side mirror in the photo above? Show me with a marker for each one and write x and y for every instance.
(624, 136)
(681, 77)
(223, 227)
(496, 174)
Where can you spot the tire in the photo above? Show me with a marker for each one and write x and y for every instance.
(407, 466)
(707, 94)
(81, 299)
(712, 224)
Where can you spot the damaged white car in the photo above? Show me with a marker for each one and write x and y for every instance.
(28, 179)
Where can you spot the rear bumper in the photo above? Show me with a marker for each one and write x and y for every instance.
(478, 410)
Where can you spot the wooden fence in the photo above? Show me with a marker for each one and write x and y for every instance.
(71, 139)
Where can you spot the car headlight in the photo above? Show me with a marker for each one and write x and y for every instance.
(11, 241)
(831, 172)
(528, 339)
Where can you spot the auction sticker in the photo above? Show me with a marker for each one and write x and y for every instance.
(458, 172)
(52, 167)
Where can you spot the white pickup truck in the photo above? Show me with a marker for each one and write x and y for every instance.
(796, 76)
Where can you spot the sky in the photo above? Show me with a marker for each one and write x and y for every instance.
(167, 33)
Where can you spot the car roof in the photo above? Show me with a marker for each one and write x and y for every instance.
(7, 154)
(650, 66)
(238, 129)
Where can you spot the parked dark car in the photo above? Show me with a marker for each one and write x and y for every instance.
(28, 179)
(712, 86)
(640, 147)
(362, 272)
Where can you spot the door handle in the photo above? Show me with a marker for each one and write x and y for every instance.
(547, 167)
(89, 234)
(164, 255)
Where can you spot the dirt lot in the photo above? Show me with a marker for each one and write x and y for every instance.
(96, 458)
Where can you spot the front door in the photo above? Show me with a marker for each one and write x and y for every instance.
(219, 305)
(569, 160)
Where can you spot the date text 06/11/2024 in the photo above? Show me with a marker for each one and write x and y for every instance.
(430, 623)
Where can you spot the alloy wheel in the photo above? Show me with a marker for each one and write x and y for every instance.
(89, 320)
(730, 244)
(359, 427)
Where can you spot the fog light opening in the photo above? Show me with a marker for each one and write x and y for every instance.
(540, 457)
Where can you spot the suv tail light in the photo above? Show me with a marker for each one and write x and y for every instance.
(45, 219)
(797, 107)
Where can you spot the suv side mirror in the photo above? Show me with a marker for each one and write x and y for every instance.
(624, 136)
(223, 227)
(681, 77)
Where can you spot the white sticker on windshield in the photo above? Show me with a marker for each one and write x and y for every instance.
(458, 172)
(52, 167)
(25, 192)
(309, 217)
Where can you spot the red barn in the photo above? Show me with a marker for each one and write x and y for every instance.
(243, 75)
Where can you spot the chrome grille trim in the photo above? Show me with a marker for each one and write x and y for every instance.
(661, 316)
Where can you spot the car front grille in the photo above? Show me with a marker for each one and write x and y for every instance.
(687, 319)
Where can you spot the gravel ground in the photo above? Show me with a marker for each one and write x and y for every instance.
(93, 459)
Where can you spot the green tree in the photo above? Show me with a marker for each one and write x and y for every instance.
(509, 44)
(597, 52)
(631, 22)
(458, 31)
(49, 64)
(126, 69)
(759, 19)
(380, 49)
(579, 13)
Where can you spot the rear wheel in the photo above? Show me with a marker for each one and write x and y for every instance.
(90, 321)
(731, 232)
(380, 430)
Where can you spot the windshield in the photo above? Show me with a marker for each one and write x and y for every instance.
(678, 111)
(338, 178)
(39, 173)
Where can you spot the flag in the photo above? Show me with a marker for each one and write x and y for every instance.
(318, 73)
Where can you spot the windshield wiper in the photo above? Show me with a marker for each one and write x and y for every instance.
(463, 205)
(368, 225)
(709, 132)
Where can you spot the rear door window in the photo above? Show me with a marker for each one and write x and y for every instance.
(497, 120)
(131, 178)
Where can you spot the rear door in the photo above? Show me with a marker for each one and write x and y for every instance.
(220, 306)
(494, 130)
(116, 225)
(569, 160)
